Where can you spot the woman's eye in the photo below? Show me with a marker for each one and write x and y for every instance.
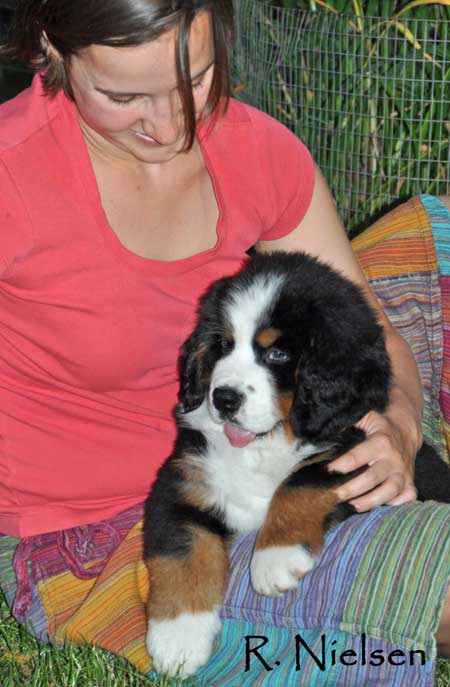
(121, 101)
(198, 85)
(131, 99)
(276, 355)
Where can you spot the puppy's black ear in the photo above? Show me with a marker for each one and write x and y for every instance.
(338, 382)
(203, 348)
(193, 385)
(198, 354)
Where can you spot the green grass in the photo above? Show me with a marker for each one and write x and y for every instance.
(443, 674)
(24, 661)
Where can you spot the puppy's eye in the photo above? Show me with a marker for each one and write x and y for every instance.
(277, 356)
(226, 344)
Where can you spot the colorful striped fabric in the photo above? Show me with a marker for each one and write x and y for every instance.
(398, 256)
(88, 586)
(382, 574)
(439, 218)
(376, 592)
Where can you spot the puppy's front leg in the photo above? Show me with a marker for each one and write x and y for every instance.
(182, 610)
(291, 537)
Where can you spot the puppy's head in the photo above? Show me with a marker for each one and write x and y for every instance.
(224, 361)
(286, 341)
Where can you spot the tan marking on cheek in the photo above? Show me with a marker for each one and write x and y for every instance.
(191, 584)
(297, 516)
(285, 404)
(267, 337)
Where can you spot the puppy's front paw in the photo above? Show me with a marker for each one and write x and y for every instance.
(278, 568)
(181, 645)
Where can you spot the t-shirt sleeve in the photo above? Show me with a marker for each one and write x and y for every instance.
(15, 226)
(288, 174)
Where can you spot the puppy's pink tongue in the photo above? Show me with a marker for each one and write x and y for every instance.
(237, 436)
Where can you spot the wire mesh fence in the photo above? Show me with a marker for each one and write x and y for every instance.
(369, 96)
(13, 77)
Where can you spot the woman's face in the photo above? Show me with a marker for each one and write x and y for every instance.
(127, 98)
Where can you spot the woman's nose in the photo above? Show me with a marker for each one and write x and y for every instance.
(162, 119)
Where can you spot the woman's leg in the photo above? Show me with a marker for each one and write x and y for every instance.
(365, 615)
(377, 591)
(84, 585)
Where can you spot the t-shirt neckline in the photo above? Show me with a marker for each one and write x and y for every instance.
(122, 253)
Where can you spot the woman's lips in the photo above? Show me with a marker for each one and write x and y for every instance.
(146, 139)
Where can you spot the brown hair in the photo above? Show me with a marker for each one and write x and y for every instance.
(70, 26)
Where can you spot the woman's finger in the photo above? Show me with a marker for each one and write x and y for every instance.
(379, 496)
(373, 449)
(369, 480)
(408, 494)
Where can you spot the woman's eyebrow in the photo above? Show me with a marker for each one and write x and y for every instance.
(126, 94)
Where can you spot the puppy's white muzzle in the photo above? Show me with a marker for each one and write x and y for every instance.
(243, 392)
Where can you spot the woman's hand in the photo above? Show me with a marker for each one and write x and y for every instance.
(389, 450)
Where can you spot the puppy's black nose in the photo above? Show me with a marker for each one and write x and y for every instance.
(227, 400)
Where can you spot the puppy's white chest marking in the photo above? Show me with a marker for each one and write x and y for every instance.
(243, 480)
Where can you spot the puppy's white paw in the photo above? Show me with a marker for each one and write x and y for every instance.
(278, 568)
(181, 645)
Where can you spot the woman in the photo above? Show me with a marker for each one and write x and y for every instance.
(130, 182)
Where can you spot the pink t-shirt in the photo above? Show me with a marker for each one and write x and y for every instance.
(90, 332)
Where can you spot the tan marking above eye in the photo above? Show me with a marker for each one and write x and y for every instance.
(228, 336)
(228, 332)
(267, 337)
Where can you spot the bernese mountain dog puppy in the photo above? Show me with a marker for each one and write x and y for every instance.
(286, 357)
